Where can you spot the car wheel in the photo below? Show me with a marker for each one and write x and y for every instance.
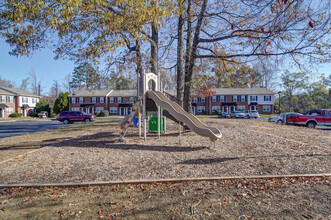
(87, 120)
(279, 122)
(311, 124)
(65, 121)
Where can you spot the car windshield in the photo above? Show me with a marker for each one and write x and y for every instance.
(84, 113)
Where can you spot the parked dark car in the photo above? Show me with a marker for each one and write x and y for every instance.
(223, 115)
(74, 116)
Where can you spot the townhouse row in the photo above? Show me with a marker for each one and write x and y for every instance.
(16, 100)
(119, 102)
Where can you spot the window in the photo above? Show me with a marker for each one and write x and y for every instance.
(81, 100)
(99, 109)
(266, 108)
(213, 98)
(9, 111)
(131, 100)
(3, 98)
(201, 108)
(235, 98)
(11, 99)
(214, 108)
(242, 98)
(241, 108)
(195, 100)
(267, 98)
(222, 98)
(326, 113)
(73, 100)
(63, 113)
(203, 99)
(25, 100)
(119, 99)
(102, 99)
(111, 100)
(75, 109)
(113, 110)
(253, 98)
(94, 99)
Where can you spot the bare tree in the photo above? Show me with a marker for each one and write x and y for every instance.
(24, 84)
(6, 83)
(66, 82)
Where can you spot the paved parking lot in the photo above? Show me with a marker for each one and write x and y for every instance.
(14, 128)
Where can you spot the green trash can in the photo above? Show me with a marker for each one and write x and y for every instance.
(152, 122)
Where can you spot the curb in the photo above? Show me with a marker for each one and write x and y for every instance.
(170, 180)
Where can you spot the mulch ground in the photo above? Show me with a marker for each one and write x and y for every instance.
(248, 147)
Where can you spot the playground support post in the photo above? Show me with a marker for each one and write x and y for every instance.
(144, 106)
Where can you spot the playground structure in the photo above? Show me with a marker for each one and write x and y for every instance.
(149, 94)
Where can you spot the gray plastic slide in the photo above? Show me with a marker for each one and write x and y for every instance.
(181, 115)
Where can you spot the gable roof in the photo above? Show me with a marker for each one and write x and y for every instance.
(18, 92)
(244, 91)
(90, 93)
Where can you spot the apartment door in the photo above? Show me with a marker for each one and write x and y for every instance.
(194, 110)
(2, 115)
(122, 111)
(232, 109)
(225, 109)
(253, 107)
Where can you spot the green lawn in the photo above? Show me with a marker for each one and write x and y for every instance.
(268, 116)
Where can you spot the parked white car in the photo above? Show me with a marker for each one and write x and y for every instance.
(251, 114)
(237, 114)
(281, 119)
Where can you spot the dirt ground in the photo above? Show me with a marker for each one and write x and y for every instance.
(93, 153)
(289, 198)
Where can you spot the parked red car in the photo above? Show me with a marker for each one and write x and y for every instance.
(73, 116)
(312, 118)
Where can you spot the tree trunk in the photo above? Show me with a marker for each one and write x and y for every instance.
(154, 49)
(180, 57)
(191, 62)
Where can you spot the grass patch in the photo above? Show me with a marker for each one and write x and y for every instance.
(268, 116)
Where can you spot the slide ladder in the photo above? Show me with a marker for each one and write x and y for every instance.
(125, 124)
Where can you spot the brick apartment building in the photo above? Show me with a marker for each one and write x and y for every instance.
(119, 102)
(16, 100)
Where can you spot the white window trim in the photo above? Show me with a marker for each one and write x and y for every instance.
(242, 98)
(222, 98)
(99, 109)
(268, 106)
(131, 100)
(111, 110)
(94, 100)
(235, 98)
(195, 99)
(81, 100)
(267, 98)
(203, 99)
(111, 99)
(102, 99)
(73, 100)
(9, 111)
(241, 109)
(215, 107)
(119, 98)
(213, 98)
(201, 108)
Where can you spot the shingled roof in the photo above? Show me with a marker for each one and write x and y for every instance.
(90, 93)
(18, 92)
(243, 91)
(124, 93)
